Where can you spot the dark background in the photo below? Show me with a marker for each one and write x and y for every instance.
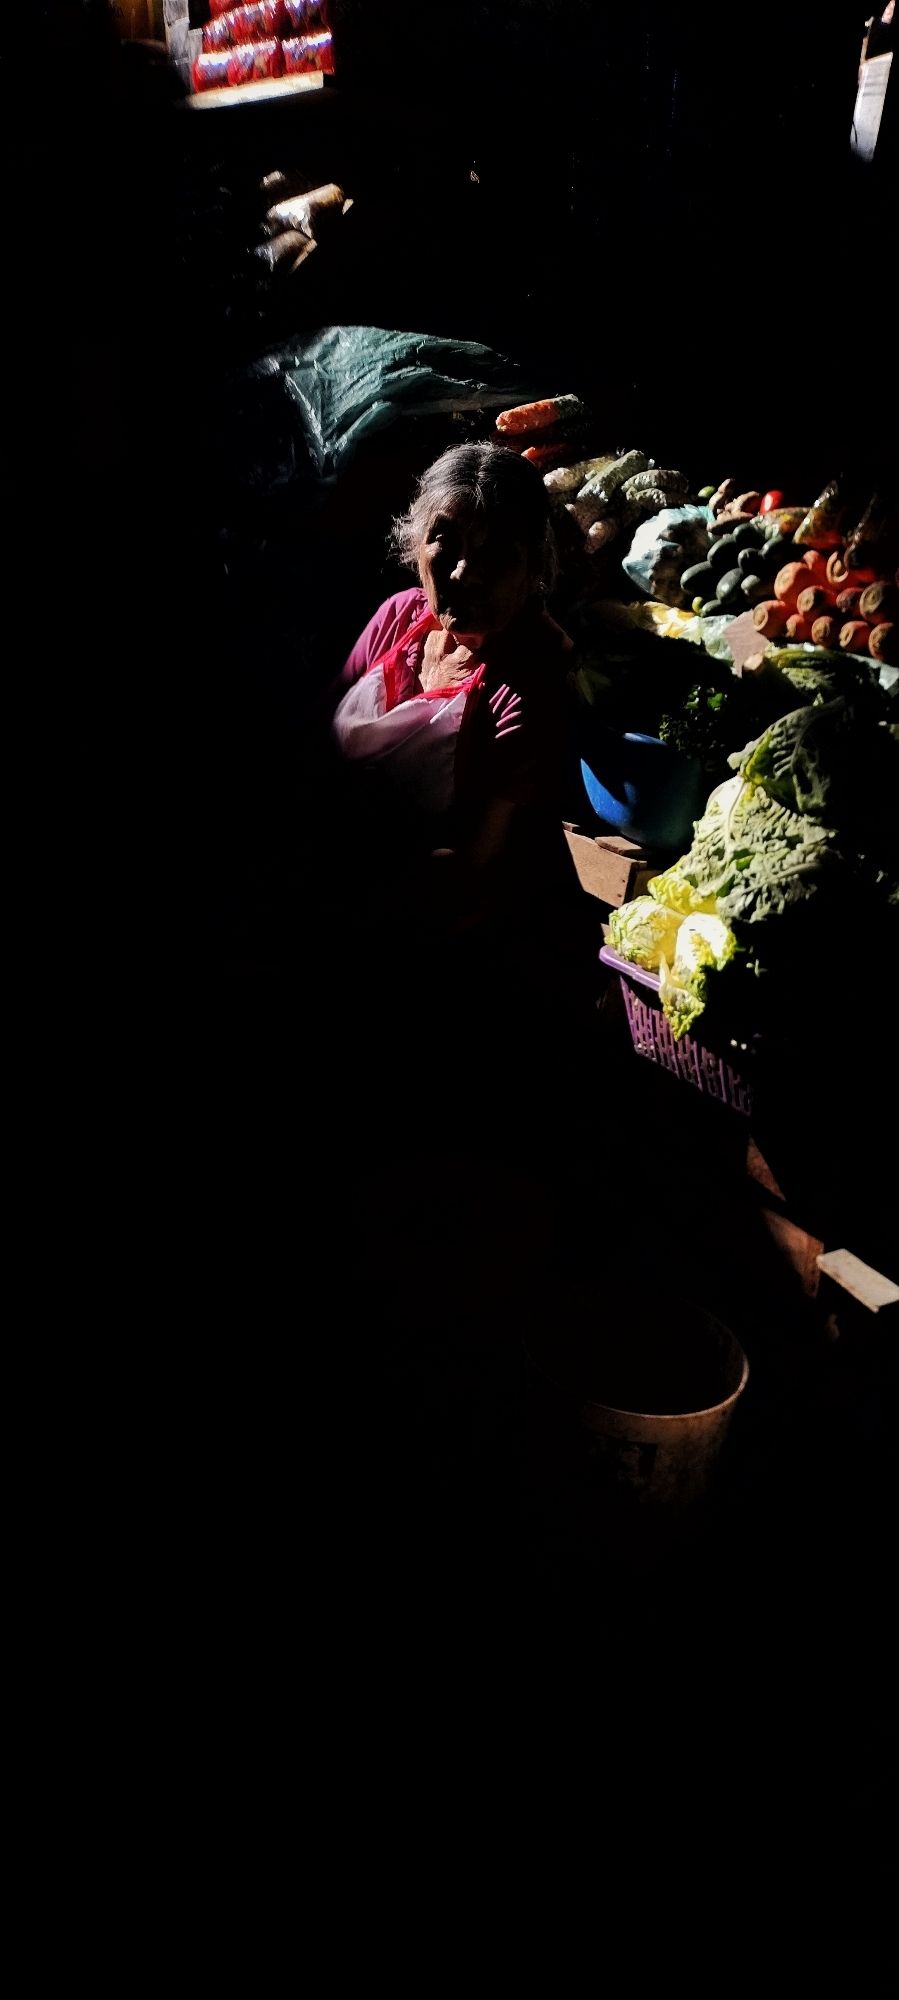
(664, 216)
(667, 217)
(670, 223)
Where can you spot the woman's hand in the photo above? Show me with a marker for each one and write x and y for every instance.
(444, 662)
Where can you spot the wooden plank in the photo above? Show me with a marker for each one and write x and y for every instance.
(797, 1246)
(758, 1170)
(872, 1288)
(266, 91)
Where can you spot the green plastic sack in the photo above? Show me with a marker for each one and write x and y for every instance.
(344, 383)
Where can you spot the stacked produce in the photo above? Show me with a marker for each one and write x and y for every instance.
(807, 573)
(605, 494)
(297, 222)
(268, 38)
(796, 850)
(797, 847)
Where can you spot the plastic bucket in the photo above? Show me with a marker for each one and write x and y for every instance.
(648, 1385)
(644, 788)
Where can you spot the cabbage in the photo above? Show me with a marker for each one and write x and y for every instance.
(703, 940)
(703, 943)
(644, 932)
(673, 889)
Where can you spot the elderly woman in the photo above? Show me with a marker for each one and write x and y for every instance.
(453, 720)
(468, 953)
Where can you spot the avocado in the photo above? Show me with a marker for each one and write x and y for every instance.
(698, 580)
(772, 556)
(747, 535)
(748, 562)
(722, 555)
(711, 609)
(729, 586)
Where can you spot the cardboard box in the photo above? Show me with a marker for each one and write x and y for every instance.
(609, 867)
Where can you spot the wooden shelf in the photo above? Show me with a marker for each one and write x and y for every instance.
(265, 92)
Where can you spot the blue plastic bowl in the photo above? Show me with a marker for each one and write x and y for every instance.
(644, 788)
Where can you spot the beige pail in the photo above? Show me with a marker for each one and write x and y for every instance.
(647, 1383)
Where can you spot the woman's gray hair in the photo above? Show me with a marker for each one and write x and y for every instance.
(495, 478)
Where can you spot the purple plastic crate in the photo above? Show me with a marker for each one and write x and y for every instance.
(726, 1078)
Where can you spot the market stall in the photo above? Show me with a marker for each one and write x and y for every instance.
(705, 621)
(736, 688)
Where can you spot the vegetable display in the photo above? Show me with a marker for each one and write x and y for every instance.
(801, 840)
(796, 730)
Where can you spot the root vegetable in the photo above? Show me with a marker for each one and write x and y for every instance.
(599, 534)
(841, 574)
(790, 579)
(539, 415)
(770, 618)
(583, 513)
(722, 494)
(883, 643)
(812, 601)
(570, 478)
(879, 601)
(543, 455)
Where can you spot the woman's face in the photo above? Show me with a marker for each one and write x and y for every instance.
(475, 574)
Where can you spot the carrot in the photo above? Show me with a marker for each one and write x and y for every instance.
(770, 618)
(544, 454)
(841, 574)
(825, 631)
(813, 601)
(847, 602)
(538, 416)
(854, 635)
(798, 627)
(883, 643)
(790, 579)
(878, 602)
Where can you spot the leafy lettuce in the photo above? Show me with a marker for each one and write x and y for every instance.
(800, 841)
(703, 944)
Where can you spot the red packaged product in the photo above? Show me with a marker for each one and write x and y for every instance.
(255, 62)
(259, 22)
(220, 6)
(210, 72)
(304, 54)
(305, 17)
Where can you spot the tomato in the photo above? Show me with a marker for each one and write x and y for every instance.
(771, 500)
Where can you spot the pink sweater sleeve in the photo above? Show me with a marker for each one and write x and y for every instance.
(385, 629)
